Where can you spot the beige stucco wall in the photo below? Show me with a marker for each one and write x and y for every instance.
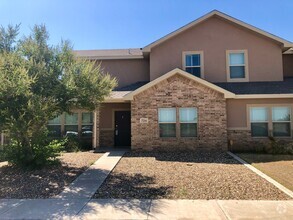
(107, 114)
(214, 37)
(237, 113)
(106, 122)
(288, 64)
(127, 71)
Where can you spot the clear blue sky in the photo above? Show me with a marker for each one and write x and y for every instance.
(107, 24)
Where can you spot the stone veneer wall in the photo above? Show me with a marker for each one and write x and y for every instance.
(241, 141)
(178, 91)
(106, 138)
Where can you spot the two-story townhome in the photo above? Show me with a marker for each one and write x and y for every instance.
(215, 83)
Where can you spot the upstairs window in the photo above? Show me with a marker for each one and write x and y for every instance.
(237, 66)
(193, 63)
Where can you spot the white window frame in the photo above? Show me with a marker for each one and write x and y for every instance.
(279, 122)
(175, 122)
(188, 122)
(255, 122)
(246, 78)
(184, 53)
(270, 118)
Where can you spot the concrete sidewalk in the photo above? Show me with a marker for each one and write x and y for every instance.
(144, 209)
(85, 186)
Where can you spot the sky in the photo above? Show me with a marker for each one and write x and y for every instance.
(110, 24)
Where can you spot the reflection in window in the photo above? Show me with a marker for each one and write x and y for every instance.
(54, 127)
(259, 121)
(237, 65)
(167, 122)
(71, 124)
(188, 122)
(87, 124)
(281, 121)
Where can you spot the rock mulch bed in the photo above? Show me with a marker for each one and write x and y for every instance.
(185, 176)
(47, 182)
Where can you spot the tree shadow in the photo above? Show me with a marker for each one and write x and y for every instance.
(199, 156)
(47, 182)
(131, 186)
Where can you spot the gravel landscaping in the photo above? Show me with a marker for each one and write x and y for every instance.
(47, 182)
(155, 175)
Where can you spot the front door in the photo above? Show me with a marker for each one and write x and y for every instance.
(122, 129)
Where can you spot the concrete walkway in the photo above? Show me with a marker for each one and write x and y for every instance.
(144, 209)
(85, 186)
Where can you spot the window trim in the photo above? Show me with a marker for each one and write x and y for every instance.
(176, 130)
(177, 123)
(281, 122)
(184, 53)
(246, 66)
(180, 122)
(270, 119)
(267, 121)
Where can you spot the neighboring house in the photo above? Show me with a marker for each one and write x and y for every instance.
(215, 83)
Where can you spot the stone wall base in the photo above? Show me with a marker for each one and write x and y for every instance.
(241, 141)
(106, 138)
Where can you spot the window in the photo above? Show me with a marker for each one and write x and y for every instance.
(71, 124)
(87, 124)
(54, 127)
(270, 120)
(237, 65)
(259, 121)
(281, 119)
(188, 122)
(193, 63)
(167, 122)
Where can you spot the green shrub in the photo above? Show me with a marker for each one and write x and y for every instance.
(279, 147)
(72, 144)
(40, 155)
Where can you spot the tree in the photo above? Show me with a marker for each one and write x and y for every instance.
(38, 82)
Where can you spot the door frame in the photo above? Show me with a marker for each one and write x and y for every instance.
(114, 120)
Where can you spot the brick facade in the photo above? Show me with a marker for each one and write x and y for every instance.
(178, 91)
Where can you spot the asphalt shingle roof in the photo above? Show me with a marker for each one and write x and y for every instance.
(275, 87)
(108, 53)
(241, 88)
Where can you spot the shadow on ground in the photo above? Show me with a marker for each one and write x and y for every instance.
(135, 186)
(44, 183)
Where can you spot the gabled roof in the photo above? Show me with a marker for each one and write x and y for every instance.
(132, 53)
(178, 71)
(287, 44)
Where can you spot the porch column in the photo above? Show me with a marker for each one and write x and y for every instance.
(96, 129)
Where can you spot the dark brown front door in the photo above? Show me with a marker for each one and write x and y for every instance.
(122, 129)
